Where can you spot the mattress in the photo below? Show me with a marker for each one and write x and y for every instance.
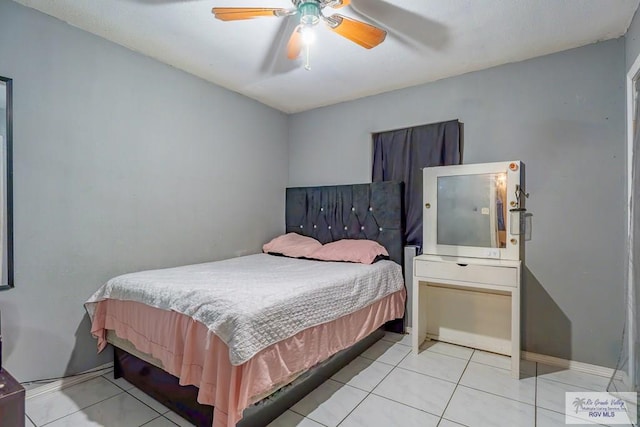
(255, 301)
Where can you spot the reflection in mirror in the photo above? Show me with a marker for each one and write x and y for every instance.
(6, 229)
(472, 210)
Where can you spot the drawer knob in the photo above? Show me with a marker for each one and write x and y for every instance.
(427, 205)
(463, 265)
(514, 241)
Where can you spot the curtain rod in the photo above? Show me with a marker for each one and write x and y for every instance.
(413, 126)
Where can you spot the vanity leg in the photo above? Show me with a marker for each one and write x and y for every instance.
(419, 321)
(515, 333)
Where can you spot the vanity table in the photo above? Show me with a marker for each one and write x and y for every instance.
(466, 286)
(468, 301)
(12, 396)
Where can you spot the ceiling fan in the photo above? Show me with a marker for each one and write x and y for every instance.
(311, 13)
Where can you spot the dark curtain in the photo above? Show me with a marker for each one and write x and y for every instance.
(400, 155)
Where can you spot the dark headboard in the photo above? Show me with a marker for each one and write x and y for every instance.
(360, 211)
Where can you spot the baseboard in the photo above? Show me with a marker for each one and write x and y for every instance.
(68, 381)
(570, 364)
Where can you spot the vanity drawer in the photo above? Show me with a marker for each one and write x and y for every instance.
(503, 276)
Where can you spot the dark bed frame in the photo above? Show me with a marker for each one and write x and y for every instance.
(330, 213)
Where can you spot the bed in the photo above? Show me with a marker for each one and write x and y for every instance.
(190, 358)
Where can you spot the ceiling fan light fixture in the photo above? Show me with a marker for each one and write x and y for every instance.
(309, 12)
(308, 35)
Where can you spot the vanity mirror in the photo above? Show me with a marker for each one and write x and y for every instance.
(6, 184)
(475, 210)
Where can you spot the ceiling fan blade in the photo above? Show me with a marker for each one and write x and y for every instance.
(238, 13)
(335, 4)
(294, 47)
(366, 35)
(408, 27)
(275, 61)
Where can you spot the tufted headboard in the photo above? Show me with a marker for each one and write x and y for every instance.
(360, 211)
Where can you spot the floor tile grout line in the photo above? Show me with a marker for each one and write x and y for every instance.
(572, 385)
(302, 415)
(446, 343)
(444, 411)
(310, 419)
(386, 363)
(451, 421)
(113, 381)
(395, 342)
(446, 354)
(377, 384)
(153, 419)
(435, 351)
(29, 418)
(147, 405)
(351, 411)
(426, 375)
(492, 366)
(397, 365)
(497, 395)
(405, 404)
(81, 409)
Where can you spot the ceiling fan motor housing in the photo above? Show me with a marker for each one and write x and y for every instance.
(309, 12)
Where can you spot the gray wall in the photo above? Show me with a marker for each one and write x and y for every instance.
(563, 115)
(121, 163)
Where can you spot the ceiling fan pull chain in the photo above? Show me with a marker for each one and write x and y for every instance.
(307, 62)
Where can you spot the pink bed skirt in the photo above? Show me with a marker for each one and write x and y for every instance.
(188, 351)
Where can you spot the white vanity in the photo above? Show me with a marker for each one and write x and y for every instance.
(466, 285)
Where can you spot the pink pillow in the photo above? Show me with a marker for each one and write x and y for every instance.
(362, 251)
(292, 245)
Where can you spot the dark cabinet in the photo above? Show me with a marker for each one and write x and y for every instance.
(11, 401)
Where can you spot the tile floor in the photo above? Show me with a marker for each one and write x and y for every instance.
(387, 386)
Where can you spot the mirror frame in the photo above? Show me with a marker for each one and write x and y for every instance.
(515, 180)
(9, 183)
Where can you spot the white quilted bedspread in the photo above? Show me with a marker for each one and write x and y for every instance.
(255, 301)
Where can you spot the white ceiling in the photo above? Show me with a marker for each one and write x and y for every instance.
(428, 40)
